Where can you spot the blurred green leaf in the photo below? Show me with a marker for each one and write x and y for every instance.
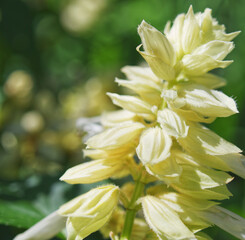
(19, 214)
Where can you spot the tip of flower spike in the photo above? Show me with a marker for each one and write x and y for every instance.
(143, 22)
(143, 25)
(208, 10)
(190, 10)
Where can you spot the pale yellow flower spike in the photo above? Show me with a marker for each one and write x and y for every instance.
(158, 138)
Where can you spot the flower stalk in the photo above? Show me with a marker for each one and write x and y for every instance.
(132, 210)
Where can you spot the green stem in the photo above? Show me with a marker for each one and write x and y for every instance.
(131, 211)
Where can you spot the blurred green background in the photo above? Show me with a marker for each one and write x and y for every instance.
(58, 58)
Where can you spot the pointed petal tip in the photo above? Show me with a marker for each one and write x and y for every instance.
(208, 10)
(138, 48)
(117, 80)
(62, 178)
(190, 11)
(143, 23)
(109, 94)
(237, 33)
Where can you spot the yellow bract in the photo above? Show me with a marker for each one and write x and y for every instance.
(163, 220)
(90, 211)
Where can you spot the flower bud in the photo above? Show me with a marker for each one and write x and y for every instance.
(154, 146)
(93, 171)
(90, 211)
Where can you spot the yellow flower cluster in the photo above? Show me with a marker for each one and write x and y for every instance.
(158, 138)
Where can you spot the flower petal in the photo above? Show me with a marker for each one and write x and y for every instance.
(202, 140)
(149, 91)
(158, 66)
(196, 65)
(216, 49)
(154, 146)
(93, 171)
(172, 123)
(227, 220)
(133, 104)
(207, 102)
(45, 229)
(111, 119)
(175, 33)
(90, 211)
(167, 170)
(115, 137)
(190, 32)
(156, 44)
(135, 73)
(209, 80)
(163, 220)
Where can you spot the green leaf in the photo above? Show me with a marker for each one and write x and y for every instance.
(19, 214)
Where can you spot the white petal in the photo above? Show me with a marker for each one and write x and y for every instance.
(175, 34)
(236, 162)
(90, 211)
(168, 170)
(155, 43)
(111, 119)
(116, 137)
(227, 101)
(158, 66)
(172, 123)
(196, 65)
(45, 229)
(209, 80)
(226, 36)
(204, 141)
(215, 49)
(149, 91)
(190, 32)
(93, 171)
(163, 220)
(206, 24)
(206, 102)
(154, 146)
(138, 73)
(227, 220)
(133, 104)
(140, 86)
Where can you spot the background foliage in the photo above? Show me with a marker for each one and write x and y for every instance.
(68, 57)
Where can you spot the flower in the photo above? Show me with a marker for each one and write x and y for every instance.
(193, 46)
(90, 211)
(158, 138)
